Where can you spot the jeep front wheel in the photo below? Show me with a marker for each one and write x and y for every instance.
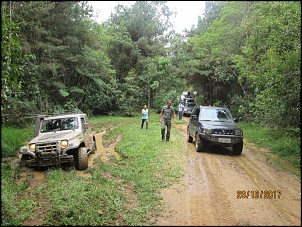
(24, 159)
(81, 158)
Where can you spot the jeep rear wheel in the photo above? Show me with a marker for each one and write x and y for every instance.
(81, 158)
(93, 148)
(237, 148)
(198, 143)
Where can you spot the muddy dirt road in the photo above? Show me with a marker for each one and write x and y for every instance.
(219, 189)
(213, 190)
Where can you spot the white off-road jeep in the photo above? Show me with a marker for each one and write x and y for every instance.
(61, 138)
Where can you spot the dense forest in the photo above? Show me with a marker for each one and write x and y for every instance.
(245, 55)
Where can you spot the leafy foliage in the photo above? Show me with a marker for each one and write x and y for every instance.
(246, 55)
(271, 62)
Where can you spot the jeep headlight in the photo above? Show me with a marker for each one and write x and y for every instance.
(64, 143)
(238, 132)
(32, 147)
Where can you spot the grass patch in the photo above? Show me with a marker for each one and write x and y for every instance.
(147, 165)
(13, 138)
(282, 144)
(101, 123)
(118, 192)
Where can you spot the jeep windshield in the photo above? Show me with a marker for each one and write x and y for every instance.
(215, 114)
(59, 124)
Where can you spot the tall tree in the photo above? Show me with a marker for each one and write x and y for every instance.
(17, 66)
(271, 62)
(146, 23)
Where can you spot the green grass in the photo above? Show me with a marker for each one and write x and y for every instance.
(280, 143)
(123, 191)
(119, 192)
(13, 138)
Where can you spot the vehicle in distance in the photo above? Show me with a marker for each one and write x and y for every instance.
(184, 95)
(188, 109)
(209, 125)
(189, 100)
(61, 138)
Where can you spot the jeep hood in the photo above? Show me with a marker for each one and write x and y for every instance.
(54, 136)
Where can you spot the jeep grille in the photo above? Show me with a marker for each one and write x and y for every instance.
(47, 147)
(223, 131)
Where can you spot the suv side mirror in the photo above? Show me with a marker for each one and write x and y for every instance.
(193, 117)
(236, 120)
(85, 126)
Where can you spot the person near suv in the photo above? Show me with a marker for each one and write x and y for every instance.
(180, 110)
(145, 116)
(166, 115)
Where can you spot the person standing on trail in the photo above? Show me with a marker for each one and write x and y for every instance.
(180, 110)
(145, 116)
(166, 114)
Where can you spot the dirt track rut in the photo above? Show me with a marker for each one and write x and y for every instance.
(212, 190)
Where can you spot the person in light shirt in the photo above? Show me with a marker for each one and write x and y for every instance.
(180, 110)
(145, 116)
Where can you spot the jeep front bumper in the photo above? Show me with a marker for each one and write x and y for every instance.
(39, 158)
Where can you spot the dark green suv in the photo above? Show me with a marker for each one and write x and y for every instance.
(211, 125)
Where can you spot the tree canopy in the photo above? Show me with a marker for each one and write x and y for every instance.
(245, 55)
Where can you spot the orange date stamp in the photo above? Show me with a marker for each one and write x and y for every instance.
(259, 194)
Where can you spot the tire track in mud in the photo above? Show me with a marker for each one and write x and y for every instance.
(206, 196)
(287, 208)
(198, 213)
(208, 192)
(220, 206)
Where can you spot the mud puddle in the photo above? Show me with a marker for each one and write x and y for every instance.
(102, 152)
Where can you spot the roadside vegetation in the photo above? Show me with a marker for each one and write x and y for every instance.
(120, 191)
(123, 191)
(245, 55)
(285, 144)
(242, 54)
(13, 138)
